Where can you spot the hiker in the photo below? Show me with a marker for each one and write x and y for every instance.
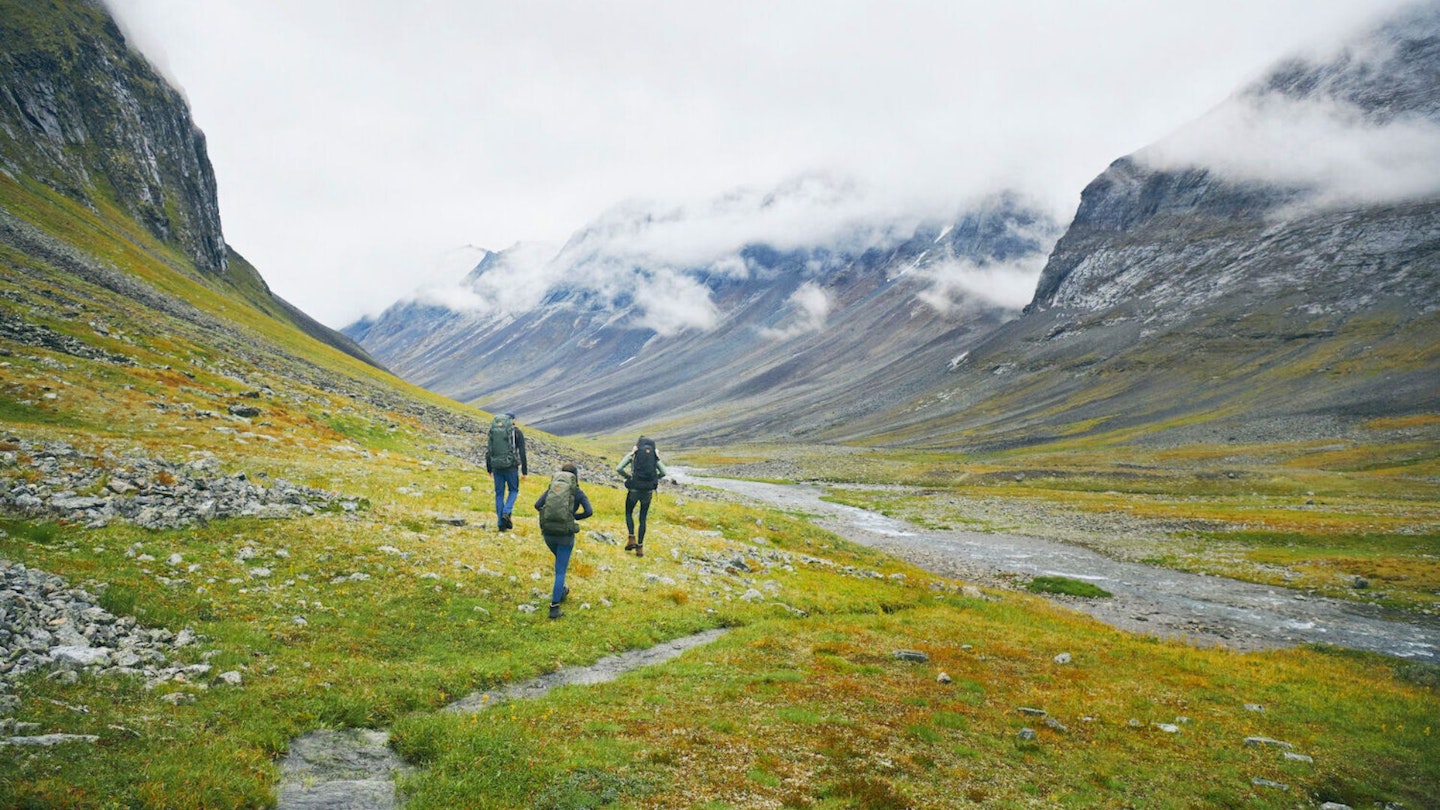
(642, 470)
(507, 464)
(561, 506)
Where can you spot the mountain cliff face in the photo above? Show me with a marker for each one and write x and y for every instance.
(1271, 270)
(84, 116)
(771, 338)
(88, 116)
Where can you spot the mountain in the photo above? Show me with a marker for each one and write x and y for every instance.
(1270, 271)
(679, 316)
(86, 117)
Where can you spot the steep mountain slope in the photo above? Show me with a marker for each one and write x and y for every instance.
(123, 313)
(777, 337)
(84, 116)
(1272, 271)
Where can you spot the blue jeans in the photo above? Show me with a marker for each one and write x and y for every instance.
(561, 545)
(504, 504)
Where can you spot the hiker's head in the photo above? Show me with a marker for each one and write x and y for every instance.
(641, 441)
(570, 467)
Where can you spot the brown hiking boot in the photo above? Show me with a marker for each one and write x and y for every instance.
(640, 550)
(630, 543)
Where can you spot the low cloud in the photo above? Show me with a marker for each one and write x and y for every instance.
(957, 283)
(651, 263)
(1326, 147)
(809, 305)
(1349, 126)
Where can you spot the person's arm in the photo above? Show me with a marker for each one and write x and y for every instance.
(582, 503)
(541, 502)
(624, 466)
(660, 468)
(520, 447)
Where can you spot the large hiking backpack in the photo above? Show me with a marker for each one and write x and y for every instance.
(501, 452)
(644, 467)
(557, 514)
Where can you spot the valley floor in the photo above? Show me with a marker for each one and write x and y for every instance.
(1144, 598)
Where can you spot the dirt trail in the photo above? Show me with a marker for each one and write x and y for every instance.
(1204, 610)
(355, 769)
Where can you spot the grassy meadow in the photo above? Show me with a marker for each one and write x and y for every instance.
(379, 617)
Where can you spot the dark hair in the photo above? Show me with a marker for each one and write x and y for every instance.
(570, 467)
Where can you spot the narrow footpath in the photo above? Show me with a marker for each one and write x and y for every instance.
(1203, 610)
(355, 769)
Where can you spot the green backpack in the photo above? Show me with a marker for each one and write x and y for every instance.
(501, 451)
(557, 514)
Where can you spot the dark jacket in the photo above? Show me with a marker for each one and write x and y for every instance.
(520, 449)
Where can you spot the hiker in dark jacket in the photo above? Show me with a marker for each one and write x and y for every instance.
(507, 464)
(558, 524)
(642, 470)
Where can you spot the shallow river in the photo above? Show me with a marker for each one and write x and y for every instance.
(1147, 599)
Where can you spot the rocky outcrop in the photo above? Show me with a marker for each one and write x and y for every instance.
(55, 480)
(49, 625)
(85, 114)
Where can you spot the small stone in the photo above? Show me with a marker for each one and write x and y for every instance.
(1055, 724)
(942, 678)
(1032, 712)
(1261, 781)
(1062, 658)
(525, 608)
(1026, 734)
(1168, 728)
(1254, 707)
(1291, 756)
(1335, 806)
(1266, 742)
(232, 677)
(910, 655)
(47, 740)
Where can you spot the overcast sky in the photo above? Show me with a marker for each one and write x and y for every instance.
(359, 144)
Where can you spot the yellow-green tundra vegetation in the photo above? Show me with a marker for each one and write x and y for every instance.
(802, 704)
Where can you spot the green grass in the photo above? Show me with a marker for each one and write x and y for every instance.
(1065, 586)
(802, 704)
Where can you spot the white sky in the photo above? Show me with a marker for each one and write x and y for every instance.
(357, 143)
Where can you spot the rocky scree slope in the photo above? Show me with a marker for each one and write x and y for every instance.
(1193, 302)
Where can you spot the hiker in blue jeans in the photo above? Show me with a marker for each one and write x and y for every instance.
(507, 464)
(561, 506)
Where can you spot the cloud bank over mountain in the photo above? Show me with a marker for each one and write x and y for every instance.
(659, 260)
(1356, 125)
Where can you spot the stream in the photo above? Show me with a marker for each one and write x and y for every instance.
(1200, 609)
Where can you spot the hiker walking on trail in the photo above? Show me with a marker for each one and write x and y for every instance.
(642, 470)
(561, 507)
(507, 464)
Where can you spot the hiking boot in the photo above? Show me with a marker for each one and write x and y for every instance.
(630, 544)
(640, 550)
(509, 524)
(556, 612)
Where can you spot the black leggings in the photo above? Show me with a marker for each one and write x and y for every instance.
(633, 497)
